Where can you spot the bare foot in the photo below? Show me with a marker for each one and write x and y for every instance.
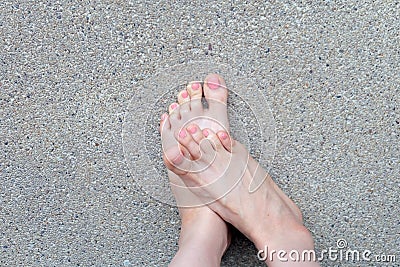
(204, 235)
(221, 176)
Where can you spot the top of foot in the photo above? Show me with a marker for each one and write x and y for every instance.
(188, 110)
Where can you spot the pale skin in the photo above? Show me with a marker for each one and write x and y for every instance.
(200, 152)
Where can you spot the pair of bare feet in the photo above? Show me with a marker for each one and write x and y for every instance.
(211, 176)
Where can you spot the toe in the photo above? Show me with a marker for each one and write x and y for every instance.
(176, 161)
(164, 122)
(195, 91)
(210, 135)
(186, 140)
(216, 94)
(183, 97)
(173, 157)
(225, 140)
(215, 89)
(174, 113)
(185, 152)
(195, 132)
(172, 107)
(176, 158)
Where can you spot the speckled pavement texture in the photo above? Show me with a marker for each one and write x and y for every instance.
(329, 69)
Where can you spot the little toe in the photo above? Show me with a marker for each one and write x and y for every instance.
(225, 140)
(185, 139)
(195, 91)
(174, 113)
(164, 122)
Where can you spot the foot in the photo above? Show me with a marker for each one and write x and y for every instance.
(222, 176)
(204, 235)
(189, 110)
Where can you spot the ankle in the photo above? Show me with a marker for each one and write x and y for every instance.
(282, 247)
(198, 248)
(208, 235)
(205, 241)
(194, 256)
(284, 232)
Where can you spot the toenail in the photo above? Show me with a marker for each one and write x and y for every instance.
(182, 134)
(195, 86)
(205, 132)
(163, 116)
(174, 106)
(213, 83)
(223, 136)
(192, 129)
(185, 94)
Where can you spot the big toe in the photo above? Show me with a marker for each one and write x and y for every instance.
(215, 89)
(216, 94)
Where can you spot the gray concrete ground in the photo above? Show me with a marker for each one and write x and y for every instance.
(329, 69)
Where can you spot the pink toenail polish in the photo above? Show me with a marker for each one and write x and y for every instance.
(163, 116)
(223, 136)
(195, 86)
(205, 132)
(174, 106)
(184, 94)
(213, 83)
(192, 129)
(182, 134)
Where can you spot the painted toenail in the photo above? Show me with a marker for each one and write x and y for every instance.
(192, 129)
(174, 106)
(223, 136)
(182, 134)
(195, 86)
(213, 83)
(163, 116)
(205, 132)
(185, 94)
